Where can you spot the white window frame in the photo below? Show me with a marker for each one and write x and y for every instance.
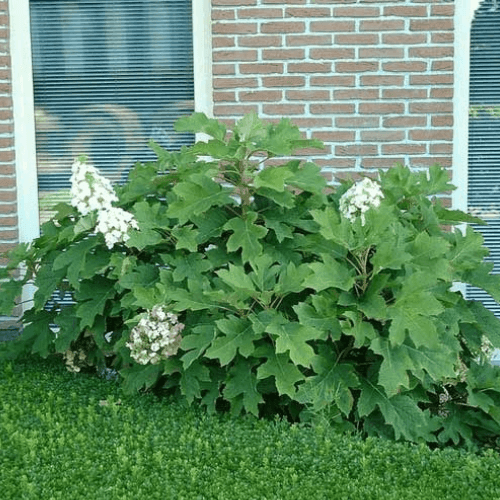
(24, 111)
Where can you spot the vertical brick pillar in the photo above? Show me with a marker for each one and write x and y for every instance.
(8, 202)
(373, 80)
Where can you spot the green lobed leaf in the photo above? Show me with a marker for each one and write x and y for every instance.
(329, 274)
(292, 337)
(92, 297)
(238, 336)
(286, 374)
(246, 235)
(400, 411)
(191, 378)
(243, 382)
(196, 344)
(331, 384)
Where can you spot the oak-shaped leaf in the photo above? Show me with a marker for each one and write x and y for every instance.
(242, 382)
(286, 374)
(246, 235)
(331, 384)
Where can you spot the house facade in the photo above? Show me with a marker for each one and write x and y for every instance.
(378, 81)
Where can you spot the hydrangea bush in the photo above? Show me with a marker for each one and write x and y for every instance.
(236, 280)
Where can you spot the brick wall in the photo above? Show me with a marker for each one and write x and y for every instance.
(8, 202)
(372, 79)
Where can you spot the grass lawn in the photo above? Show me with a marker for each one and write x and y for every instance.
(74, 436)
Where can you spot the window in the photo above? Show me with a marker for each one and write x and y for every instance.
(108, 76)
(484, 133)
(111, 40)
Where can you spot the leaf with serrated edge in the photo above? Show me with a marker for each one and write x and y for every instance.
(242, 382)
(238, 337)
(285, 373)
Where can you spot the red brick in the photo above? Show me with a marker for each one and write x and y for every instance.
(429, 161)
(284, 109)
(405, 66)
(442, 121)
(356, 39)
(261, 96)
(356, 12)
(8, 221)
(283, 27)
(431, 135)
(357, 122)
(382, 80)
(233, 110)
(307, 95)
(301, 2)
(7, 196)
(224, 69)
(404, 93)
(7, 169)
(357, 150)
(330, 108)
(335, 163)
(442, 66)
(307, 12)
(306, 67)
(268, 13)
(380, 162)
(431, 25)
(283, 81)
(222, 14)
(313, 151)
(385, 53)
(356, 67)
(7, 208)
(335, 136)
(382, 135)
(332, 53)
(224, 97)
(441, 148)
(402, 149)
(234, 55)
(257, 68)
(234, 28)
(431, 107)
(386, 25)
(443, 10)
(444, 79)
(308, 40)
(231, 83)
(406, 11)
(442, 93)
(370, 108)
(233, 2)
(363, 94)
(259, 41)
(442, 37)
(7, 156)
(336, 81)
(222, 42)
(312, 123)
(332, 26)
(404, 38)
(404, 121)
(430, 52)
(6, 142)
(272, 54)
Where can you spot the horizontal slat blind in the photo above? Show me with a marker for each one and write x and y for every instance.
(484, 134)
(109, 75)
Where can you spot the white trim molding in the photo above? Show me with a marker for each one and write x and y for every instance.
(24, 121)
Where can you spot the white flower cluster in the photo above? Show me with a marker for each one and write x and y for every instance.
(114, 223)
(360, 198)
(156, 337)
(89, 189)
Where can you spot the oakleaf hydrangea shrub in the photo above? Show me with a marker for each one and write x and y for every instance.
(238, 281)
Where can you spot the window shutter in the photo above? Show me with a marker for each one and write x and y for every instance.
(484, 134)
(109, 75)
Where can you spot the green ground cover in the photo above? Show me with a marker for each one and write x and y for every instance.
(73, 436)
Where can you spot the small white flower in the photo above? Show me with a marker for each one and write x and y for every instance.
(359, 198)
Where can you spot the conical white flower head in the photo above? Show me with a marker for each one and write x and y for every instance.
(359, 198)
